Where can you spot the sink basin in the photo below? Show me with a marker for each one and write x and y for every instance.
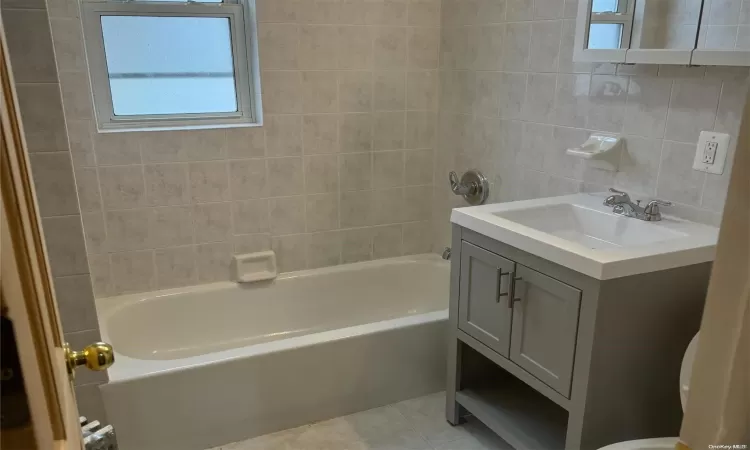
(588, 227)
(578, 232)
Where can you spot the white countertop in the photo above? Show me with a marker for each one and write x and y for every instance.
(695, 243)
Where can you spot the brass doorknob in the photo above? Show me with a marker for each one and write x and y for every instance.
(97, 356)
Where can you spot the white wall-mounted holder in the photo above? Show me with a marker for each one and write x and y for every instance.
(253, 267)
(601, 151)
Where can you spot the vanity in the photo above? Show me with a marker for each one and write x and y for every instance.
(568, 322)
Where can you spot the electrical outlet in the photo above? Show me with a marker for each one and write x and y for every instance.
(711, 152)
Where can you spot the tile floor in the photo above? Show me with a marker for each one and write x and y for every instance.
(416, 424)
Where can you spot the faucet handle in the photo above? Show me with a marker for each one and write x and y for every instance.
(613, 200)
(652, 207)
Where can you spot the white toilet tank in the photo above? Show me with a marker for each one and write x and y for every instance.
(686, 370)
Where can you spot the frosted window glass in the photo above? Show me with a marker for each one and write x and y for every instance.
(605, 35)
(599, 6)
(169, 65)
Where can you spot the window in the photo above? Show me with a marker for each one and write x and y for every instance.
(610, 24)
(171, 64)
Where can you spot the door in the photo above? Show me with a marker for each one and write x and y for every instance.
(28, 299)
(484, 302)
(545, 326)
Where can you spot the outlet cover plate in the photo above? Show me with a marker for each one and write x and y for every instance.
(722, 142)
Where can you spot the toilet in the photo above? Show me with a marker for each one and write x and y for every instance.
(667, 443)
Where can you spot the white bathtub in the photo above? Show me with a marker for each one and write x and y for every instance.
(203, 366)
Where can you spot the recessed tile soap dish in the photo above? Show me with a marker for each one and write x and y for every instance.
(252, 267)
(600, 151)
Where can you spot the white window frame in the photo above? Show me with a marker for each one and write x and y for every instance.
(623, 16)
(244, 54)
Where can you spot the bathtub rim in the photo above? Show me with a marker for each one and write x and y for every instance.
(130, 368)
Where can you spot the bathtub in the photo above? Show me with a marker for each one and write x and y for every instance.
(204, 366)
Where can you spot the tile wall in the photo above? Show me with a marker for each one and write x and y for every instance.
(512, 100)
(725, 25)
(27, 29)
(340, 172)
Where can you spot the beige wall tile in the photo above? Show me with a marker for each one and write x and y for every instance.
(423, 45)
(54, 184)
(75, 302)
(213, 261)
(282, 91)
(175, 267)
(677, 179)
(249, 217)
(173, 225)
(76, 94)
(356, 209)
(81, 143)
(418, 167)
(204, 145)
(287, 215)
(417, 237)
(278, 45)
(117, 148)
(209, 181)
(545, 45)
(283, 135)
(42, 115)
(355, 50)
(355, 91)
(319, 92)
(355, 132)
(692, 108)
(424, 12)
(68, 43)
(291, 252)
(318, 47)
(389, 90)
(355, 171)
(388, 206)
(422, 88)
(247, 179)
(388, 130)
(129, 229)
(251, 243)
(320, 134)
(95, 232)
(122, 187)
(212, 222)
(323, 249)
(87, 184)
(33, 59)
(132, 271)
(246, 142)
(388, 169)
(356, 245)
(285, 176)
(389, 47)
(321, 174)
(322, 212)
(387, 242)
(167, 184)
(420, 129)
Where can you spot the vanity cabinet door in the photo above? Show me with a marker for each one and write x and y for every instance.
(545, 326)
(484, 303)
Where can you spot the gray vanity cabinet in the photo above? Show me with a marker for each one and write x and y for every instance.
(552, 359)
(545, 324)
(484, 309)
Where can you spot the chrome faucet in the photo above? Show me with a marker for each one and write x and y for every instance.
(621, 204)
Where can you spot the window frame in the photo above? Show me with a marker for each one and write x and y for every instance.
(242, 27)
(623, 16)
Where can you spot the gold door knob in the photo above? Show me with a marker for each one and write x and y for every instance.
(97, 356)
